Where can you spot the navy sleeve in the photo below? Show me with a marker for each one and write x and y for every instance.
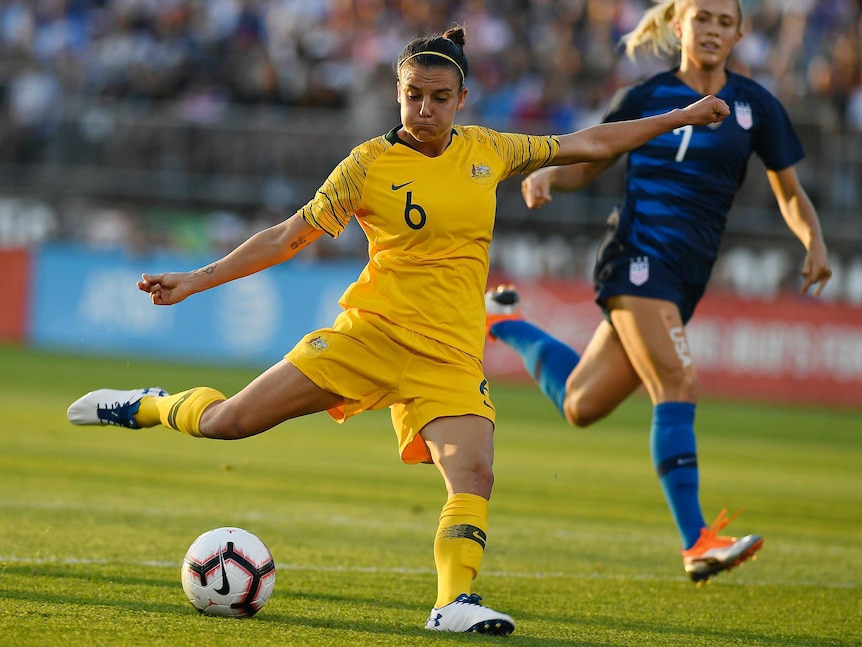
(776, 143)
(626, 104)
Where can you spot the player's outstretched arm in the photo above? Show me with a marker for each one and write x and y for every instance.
(537, 188)
(801, 217)
(266, 248)
(607, 141)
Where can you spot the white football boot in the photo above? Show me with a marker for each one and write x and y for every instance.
(466, 615)
(111, 407)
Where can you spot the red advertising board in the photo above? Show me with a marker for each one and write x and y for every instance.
(15, 270)
(787, 349)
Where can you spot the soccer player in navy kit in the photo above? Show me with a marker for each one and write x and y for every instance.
(654, 264)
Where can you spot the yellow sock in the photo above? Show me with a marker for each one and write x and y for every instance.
(181, 411)
(459, 545)
(148, 412)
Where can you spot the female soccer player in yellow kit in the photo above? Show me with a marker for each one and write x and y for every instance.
(411, 336)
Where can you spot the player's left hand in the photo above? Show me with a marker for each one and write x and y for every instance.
(815, 269)
(708, 110)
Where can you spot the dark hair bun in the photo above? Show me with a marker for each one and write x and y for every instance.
(457, 36)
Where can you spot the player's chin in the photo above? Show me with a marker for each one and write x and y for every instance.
(425, 133)
(709, 60)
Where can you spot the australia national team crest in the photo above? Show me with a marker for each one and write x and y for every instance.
(639, 270)
(480, 173)
(743, 114)
(317, 344)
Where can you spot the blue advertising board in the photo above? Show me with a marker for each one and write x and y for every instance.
(86, 300)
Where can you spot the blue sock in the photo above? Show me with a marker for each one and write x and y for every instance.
(548, 360)
(674, 455)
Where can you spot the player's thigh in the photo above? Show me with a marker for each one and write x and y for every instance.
(359, 357)
(280, 393)
(437, 381)
(653, 335)
(602, 379)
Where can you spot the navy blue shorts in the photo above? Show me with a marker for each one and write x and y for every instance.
(623, 268)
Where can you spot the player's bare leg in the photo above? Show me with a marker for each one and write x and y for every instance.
(462, 448)
(602, 379)
(279, 394)
(653, 335)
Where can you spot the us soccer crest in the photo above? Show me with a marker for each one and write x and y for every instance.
(743, 114)
(639, 270)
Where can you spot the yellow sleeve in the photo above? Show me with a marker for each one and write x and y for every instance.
(340, 196)
(524, 154)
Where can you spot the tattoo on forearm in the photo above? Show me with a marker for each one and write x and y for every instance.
(299, 243)
(209, 269)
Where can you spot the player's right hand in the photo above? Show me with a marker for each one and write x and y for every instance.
(536, 188)
(167, 288)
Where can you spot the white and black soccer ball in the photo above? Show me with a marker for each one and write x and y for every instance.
(228, 572)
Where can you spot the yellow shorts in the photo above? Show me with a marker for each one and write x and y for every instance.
(373, 364)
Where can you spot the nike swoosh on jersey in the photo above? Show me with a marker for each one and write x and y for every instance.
(395, 187)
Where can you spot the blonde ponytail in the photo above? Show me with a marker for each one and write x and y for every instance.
(655, 30)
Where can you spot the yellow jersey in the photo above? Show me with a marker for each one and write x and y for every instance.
(429, 223)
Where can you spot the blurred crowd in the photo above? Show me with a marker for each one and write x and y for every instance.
(535, 65)
(553, 61)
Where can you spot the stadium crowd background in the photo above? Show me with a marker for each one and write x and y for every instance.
(189, 123)
(550, 60)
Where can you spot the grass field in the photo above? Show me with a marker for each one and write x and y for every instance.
(582, 550)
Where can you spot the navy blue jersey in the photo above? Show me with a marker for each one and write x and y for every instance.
(680, 186)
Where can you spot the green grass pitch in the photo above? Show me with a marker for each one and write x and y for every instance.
(582, 550)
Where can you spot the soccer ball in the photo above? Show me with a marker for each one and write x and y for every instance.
(228, 572)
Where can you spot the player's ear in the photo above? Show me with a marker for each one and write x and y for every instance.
(462, 98)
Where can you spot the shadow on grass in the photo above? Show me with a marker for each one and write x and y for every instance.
(649, 633)
(91, 577)
(582, 632)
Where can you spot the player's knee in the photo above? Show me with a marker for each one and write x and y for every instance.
(478, 478)
(677, 385)
(580, 412)
(483, 476)
(463, 473)
(691, 389)
(222, 421)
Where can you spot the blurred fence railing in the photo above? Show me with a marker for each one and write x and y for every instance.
(252, 154)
